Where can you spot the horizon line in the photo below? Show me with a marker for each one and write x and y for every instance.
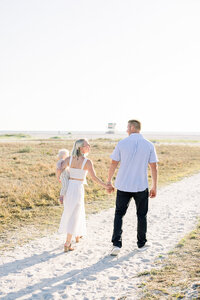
(93, 131)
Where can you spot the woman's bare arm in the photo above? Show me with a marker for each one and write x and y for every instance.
(92, 173)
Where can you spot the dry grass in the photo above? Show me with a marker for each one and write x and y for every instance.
(174, 277)
(29, 190)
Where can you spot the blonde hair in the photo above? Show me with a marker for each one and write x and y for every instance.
(76, 152)
(62, 153)
(136, 124)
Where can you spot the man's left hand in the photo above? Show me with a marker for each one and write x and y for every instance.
(153, 192)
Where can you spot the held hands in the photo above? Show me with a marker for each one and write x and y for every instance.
(110, 187)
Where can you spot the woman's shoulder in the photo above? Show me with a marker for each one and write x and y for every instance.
(88, 162)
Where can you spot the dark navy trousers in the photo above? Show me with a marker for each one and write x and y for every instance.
(122, 203)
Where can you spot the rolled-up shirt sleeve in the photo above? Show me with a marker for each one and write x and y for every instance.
(153, 156)
(116, 154)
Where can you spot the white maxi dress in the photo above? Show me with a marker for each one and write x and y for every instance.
(73, 217)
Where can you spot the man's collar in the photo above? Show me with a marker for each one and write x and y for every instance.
(135, 135)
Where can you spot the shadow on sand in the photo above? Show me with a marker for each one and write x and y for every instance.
(47, 286)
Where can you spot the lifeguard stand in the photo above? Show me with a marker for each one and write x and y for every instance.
(111, 128)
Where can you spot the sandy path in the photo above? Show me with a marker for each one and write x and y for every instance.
(40, 269)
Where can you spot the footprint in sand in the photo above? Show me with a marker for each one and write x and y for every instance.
(157, 244)
(113, 277)
(91, 278)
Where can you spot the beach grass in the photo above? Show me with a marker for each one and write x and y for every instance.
(29, 190)
(177, 276)
(29, 206)
(15, 136)
(176, 141)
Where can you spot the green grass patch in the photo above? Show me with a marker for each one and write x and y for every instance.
(25, 150)
(17, 135)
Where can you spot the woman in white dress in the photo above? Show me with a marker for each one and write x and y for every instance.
(73, 221)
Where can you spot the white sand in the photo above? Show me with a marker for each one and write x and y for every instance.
(40, 269)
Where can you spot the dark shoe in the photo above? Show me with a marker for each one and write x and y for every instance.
(144, 247)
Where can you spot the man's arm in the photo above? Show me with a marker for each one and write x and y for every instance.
(154, 172)
(111, 171)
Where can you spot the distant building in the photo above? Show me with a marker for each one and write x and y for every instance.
(111, 128)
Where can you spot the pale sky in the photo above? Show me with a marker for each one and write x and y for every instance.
(77, 65)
